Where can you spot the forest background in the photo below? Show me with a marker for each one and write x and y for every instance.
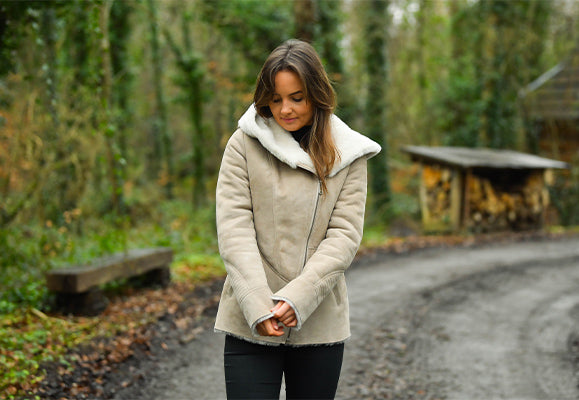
(114, 114)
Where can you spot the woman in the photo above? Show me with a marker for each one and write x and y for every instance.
(290, 209)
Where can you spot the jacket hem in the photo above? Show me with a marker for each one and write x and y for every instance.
(273, 344)
(251, 340)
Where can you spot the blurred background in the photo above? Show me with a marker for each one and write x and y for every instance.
(114, 114)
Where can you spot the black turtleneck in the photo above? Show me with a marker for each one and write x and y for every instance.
(302, 135)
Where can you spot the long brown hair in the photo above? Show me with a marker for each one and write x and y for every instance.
(301, 58)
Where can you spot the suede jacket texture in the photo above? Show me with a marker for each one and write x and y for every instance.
(281, 238)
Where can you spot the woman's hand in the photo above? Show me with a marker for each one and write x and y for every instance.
(285, 314)
(269, 327)
(282, 312)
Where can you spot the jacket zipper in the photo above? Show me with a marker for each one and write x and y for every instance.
(318, 194)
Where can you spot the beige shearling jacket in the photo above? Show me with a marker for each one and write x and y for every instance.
(281, 238)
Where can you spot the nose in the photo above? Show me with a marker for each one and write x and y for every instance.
(285, 107)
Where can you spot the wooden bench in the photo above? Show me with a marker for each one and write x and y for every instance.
(78, 290)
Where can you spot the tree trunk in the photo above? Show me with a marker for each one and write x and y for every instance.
(164, 147)
(196, 75)
(108, 124)
(425, 9)
(328, 43)
(376, 107)
(305, 19)
(53, 194)
(120, 31)
(193, 75)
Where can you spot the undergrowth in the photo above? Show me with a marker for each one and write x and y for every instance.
(29, 333)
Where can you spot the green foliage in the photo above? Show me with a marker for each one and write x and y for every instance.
(15, 18)
(27, 336)
(192, 79)
(497, 45)
(199, 267)
(12, 14)
(564, 195)
(27, 252)
(402, 220)
(459, 114)
(329, 37)
(27, 339)
(405, 206)
(256, 27)
(21, 266)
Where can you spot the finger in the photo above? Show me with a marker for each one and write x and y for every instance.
(273, 329)
(290, 321)
(277, 306)
(282, 310)
(275, 324)
(261, 329)
(290, 314)
(269, 328)
(291, 324)
(289, 318)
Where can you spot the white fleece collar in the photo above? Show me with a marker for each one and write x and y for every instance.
(281, 144)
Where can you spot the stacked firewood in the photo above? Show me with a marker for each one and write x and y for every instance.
(520, 207)
(437, 182)
(490, 206)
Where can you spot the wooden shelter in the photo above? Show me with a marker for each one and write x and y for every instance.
(482, 190)
(551, 105)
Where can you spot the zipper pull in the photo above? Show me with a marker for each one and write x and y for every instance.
(320, 188)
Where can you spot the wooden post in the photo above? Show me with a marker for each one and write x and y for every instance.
(466, 198)
(456, 197)
(426, 219)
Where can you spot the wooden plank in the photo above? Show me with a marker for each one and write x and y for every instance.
(426, 219)
(123, 265)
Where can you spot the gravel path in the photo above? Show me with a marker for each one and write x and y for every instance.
(491, 322)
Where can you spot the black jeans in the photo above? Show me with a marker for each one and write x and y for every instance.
(254, 371)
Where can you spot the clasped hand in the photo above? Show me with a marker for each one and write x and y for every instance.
(282, 313)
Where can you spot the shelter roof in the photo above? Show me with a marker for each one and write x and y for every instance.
(465, 157)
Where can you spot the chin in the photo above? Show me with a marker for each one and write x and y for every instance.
(292, 127)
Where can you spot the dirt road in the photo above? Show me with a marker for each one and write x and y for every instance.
(492, 322)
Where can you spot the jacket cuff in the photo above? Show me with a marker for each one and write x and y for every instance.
(256, 307)
(298, 315)
(257, 322)
(301, 296)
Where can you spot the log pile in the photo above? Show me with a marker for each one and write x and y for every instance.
(519, 207)
(489, 205)
(437, 183)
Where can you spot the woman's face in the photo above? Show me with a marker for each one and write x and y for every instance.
(289, 105)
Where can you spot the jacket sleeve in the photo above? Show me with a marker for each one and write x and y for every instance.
(236, 235)
(336, 252)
